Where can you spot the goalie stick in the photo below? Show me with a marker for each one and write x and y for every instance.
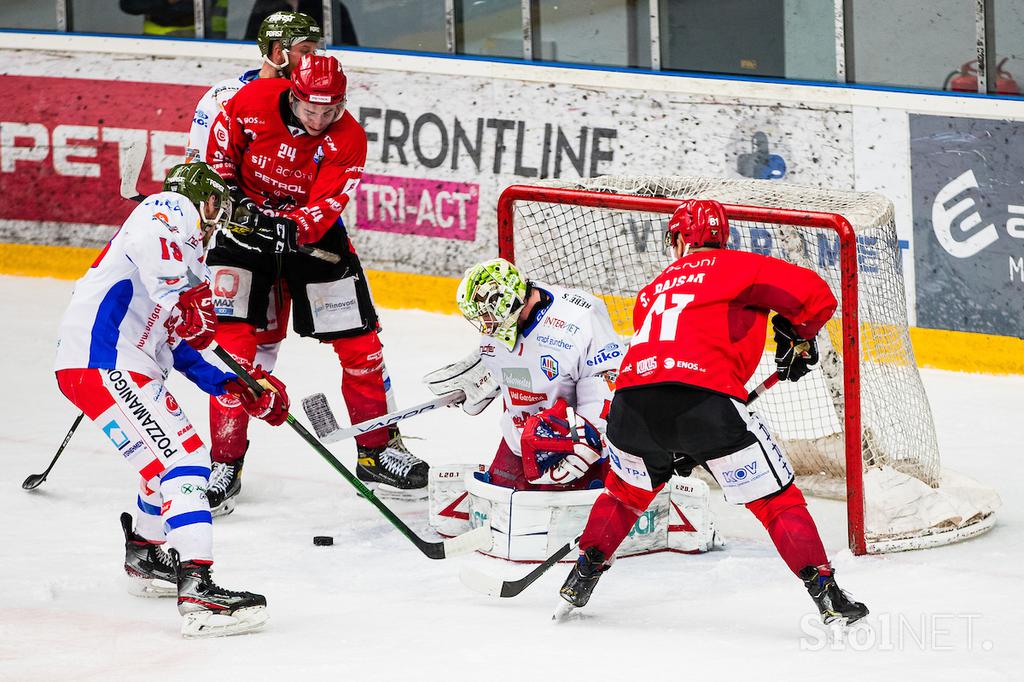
(33, 481)
(479, 581)
(326, 426)
(478, 538)
(132, 158)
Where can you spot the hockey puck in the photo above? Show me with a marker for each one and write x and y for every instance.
(323, 540)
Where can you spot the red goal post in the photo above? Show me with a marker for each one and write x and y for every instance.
(540, 225)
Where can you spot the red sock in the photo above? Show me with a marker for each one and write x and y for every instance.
(362, 384)
(613, 514)
(229, 423)
(791, 528)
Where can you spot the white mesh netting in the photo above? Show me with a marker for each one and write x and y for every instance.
(614, 253)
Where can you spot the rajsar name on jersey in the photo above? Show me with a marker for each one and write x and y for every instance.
(692, 278)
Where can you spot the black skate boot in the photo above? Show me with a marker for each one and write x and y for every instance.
(834, 604)
(392, 471)
(149, 568)
(211, 611)
(582, 580)
(225, 484)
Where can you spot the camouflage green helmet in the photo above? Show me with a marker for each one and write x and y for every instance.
(490, 296)
(197, 182)
(289, 28)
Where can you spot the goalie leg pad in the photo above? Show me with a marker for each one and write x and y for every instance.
(691, 526)
(448, 501)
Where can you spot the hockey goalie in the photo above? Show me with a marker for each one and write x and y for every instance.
(553, 356)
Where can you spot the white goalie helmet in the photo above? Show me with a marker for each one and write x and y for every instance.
(490, 296)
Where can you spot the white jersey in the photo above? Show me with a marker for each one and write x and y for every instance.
(120, 316)
(568, 350)
(210, 105)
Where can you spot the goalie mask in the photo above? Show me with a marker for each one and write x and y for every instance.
(490, 296)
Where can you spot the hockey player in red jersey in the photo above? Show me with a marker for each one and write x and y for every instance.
(700, 329)
(283, 39)
(143, 308)
(294, 157)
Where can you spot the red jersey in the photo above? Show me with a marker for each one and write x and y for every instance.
(703, 321)
(284, 169)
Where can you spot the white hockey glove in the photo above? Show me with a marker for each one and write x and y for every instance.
(469, 376)
(558, 448)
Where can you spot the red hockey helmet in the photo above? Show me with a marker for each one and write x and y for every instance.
(319, 80)
(698, 222)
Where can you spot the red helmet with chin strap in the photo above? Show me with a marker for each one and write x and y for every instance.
(699, 222)
(318, 79)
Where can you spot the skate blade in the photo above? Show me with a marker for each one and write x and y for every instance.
(202, 624)
(150, 587)
(563, 612)
(224, 508)
(384, 491)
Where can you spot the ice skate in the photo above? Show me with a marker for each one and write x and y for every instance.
(581, 582)
(209, 610)
(392, 471)
(225, 484)
(834, 604)
(149, 568)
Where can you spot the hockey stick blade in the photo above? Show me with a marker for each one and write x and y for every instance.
(433, 550)
(33, 481)
(319, 413)
(468, 542)
(132, 156)
(496, 587)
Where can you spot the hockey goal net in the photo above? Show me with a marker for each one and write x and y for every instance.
(604, 235)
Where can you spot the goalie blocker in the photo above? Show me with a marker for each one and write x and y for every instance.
(528, 525)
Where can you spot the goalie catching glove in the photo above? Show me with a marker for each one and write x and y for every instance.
(469, 376)
(196, 319)
(794, 355)
(271, 405)
(555, 451)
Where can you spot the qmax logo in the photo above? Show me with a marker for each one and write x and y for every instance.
(609, 352)
(549, 366)
(738, 476)
(116, 434)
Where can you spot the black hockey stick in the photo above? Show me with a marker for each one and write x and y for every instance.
(35, 480)
(132, 159)
(496, 587)
(478, 538)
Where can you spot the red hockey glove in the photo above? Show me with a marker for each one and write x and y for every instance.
(197, 321)
(271, 406)
(554, 452)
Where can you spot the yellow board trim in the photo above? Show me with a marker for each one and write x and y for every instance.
(939, 349)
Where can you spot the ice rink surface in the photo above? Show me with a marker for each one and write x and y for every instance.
(373, 608)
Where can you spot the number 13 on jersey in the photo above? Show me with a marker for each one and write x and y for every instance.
(666, 308)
